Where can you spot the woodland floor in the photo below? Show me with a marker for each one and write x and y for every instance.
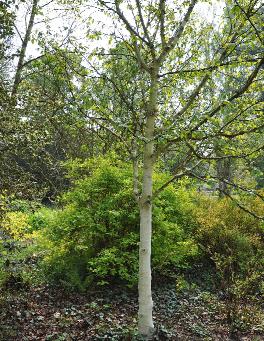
(45, 313)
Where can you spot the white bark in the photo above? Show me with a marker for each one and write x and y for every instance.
(145, 321)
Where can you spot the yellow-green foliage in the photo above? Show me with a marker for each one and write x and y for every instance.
(17, 225)
(95, 236)
(14, 231)
(233, 239)
(17, 238)
(173, 225)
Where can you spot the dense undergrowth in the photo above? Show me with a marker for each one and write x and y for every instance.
(91, 237)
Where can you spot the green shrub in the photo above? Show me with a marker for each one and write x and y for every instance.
(20, 205)
(95, 236)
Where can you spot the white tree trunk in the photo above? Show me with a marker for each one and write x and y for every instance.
(145, 321)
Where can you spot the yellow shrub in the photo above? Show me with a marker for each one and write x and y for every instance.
(17, 225)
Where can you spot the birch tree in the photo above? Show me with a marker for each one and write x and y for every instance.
(168, 41)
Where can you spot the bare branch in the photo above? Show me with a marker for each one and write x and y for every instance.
(17, 30)
(47, 3)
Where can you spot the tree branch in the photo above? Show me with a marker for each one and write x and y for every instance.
(241, 206)
(150, 44)
(250, 21)
(209, 68)
(176, 36)
(23, 48)
(243, 89)
(162, 22)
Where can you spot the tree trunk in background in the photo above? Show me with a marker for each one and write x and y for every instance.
(23, 49)
(224, 172)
